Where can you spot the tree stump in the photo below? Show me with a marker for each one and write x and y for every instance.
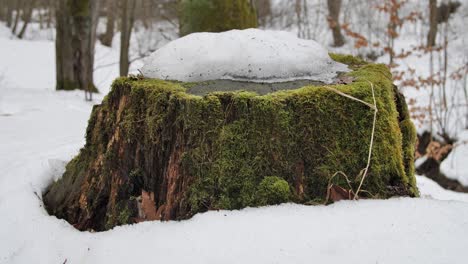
(155, 151)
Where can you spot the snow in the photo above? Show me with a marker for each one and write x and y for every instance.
(19, 73)
(455, 166)
(431, 190)
(243, 55)
(41, 130)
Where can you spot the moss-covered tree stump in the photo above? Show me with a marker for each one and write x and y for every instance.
(155, 151)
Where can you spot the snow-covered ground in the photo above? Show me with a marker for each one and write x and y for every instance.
(455, 166)
(41, 129)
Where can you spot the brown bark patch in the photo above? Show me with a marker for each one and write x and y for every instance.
(299, 181)
(338, 193)
(173, 177)
(147, 208)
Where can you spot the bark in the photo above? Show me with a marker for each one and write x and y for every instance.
(128, 13)
(334, 7)
(75, 40)
(432, 34)
(27, 14)
(106, 38)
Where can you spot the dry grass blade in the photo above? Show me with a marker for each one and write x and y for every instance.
(371, 144)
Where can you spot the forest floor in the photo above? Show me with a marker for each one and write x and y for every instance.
(41, 129)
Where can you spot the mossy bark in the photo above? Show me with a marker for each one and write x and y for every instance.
(215, 15)
(154, 151)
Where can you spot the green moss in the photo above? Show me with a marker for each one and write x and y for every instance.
(238, 138)
(353, 62)
(121, 214)
(409, 142)
(215, 15)
(230, 143)
(273, 190)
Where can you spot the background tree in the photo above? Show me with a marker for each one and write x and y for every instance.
(298, 9)
(28, 8)
(334, 7)
(128, 13)
(17, 9)
(110, 9)
(76, 36)
(8, 11)
(215, 15)
(431, 36)
(263, 8)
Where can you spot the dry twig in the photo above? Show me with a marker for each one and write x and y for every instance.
(366, 169)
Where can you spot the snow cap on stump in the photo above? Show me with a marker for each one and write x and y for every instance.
(242, 55)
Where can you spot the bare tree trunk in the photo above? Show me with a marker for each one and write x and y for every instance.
(9, 13)
(41, 19)
(298, 9)
(27, 13)
(465, 92)
(305, 7)
(50, 13)
(17, 16)
(75, 40)
(392, 28)
(106, 38)
(431, 36)
(263, 8)
(334, 7)
(3, 10)
(128, 12)
(144, 13)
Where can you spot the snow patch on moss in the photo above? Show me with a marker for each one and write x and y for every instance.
(242, 55)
